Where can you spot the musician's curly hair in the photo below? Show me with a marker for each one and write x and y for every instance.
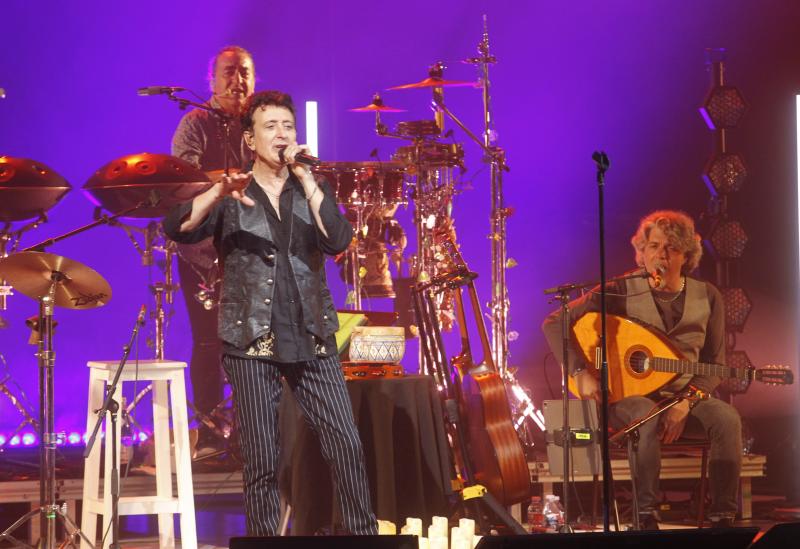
(264, 99)
(679, 229)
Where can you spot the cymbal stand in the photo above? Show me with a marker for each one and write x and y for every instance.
(499, 305)
(163, 292)
(49, 510)
(495, 156)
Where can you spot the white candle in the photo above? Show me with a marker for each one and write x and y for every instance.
(467, 527)
(414, 526)
(438, 543)
(386, 528)
(424, 543)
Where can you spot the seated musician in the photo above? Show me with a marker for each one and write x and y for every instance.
(691, 313)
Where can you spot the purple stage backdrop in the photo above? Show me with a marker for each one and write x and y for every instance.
(571, 77)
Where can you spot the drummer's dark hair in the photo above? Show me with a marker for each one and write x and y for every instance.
(264, 99)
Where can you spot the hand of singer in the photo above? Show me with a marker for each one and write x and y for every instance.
(674, 421)
(301, 171)
(588, 386)
(233, 185)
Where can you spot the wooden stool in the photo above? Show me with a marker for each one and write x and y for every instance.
(168, 385)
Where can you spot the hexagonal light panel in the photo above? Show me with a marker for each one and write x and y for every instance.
(725, 173)
(723, 108)
(728, 240)
(737, 359)
(737, 308)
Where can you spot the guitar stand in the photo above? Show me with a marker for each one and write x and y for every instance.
(631, 435)
(475, 499)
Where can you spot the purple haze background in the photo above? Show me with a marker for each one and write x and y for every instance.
(571, 77)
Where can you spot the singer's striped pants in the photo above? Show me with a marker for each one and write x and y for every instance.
(320, 391)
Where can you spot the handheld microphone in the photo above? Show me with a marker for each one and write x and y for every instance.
(140, 318)
(301, 158)
(158, 90)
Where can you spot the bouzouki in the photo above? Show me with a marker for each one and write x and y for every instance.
(642, 359)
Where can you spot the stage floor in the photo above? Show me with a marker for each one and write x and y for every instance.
(219, 503)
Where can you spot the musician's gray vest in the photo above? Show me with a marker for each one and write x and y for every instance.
(689, 334)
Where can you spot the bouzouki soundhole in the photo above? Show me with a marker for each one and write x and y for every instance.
(638, 362)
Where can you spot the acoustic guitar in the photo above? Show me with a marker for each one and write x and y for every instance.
(495, 450)
(642, 359)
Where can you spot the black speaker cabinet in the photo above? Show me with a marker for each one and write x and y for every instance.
(779, 536)
(325, 542)
(706, 538)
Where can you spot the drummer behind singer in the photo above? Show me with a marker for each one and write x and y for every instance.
(271, 229)
(200, 140)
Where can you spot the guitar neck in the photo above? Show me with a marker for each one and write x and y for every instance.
(679, 366)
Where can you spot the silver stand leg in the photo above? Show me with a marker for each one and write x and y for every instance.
(49, 511)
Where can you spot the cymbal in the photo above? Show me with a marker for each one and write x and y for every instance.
(130, 180)
(79, 287)
(28, 188)
(373, 107)
(435, 82)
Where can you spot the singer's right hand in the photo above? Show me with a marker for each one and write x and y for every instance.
(233, 185)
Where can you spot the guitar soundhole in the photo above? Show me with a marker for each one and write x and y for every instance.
(639, 362)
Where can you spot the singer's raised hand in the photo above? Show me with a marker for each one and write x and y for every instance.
(233, 185)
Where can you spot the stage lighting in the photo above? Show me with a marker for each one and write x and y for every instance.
(728, 240)
(723, 108)
(737, 359)
(737, 308)
(725, 173)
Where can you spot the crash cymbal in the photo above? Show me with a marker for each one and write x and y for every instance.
(132, 179)
(28, 188)
(377, 106)
(78, 287)
(434, 82)
(372, 107)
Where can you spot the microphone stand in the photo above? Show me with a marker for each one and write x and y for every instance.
(602, 162)
(224, 117)
(563, 298)
(112, 406)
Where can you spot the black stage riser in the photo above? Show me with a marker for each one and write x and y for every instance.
(779, 536)
(326, 542)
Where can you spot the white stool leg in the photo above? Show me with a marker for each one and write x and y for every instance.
(107, 503)
(183, 461)
(166, 527)
(91, 467)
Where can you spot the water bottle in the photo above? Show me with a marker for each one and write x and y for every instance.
(553, 512)
(536, 520)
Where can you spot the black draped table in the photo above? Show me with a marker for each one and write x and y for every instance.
(402, 431)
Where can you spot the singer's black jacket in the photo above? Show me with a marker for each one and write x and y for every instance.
(246, 250)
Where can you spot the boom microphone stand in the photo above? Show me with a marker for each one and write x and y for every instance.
(112, 406)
